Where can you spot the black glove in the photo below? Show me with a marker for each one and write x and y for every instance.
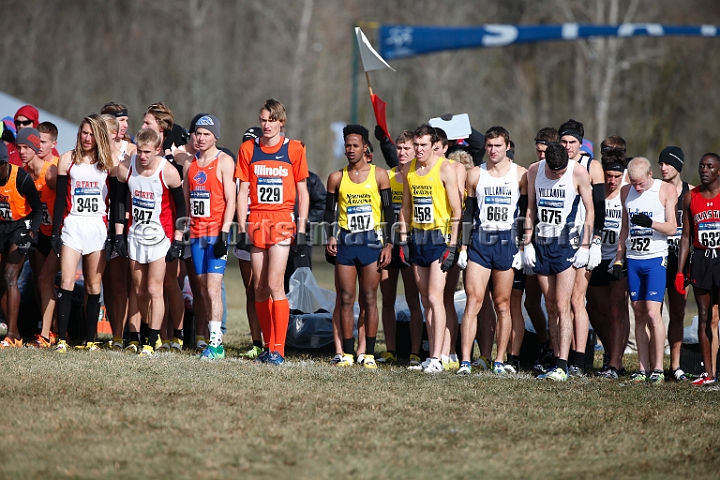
(109, 248)
(300, 246)
(24, 243)
(449, 258)
(446, 116)
(7, 135)
(56, 243)
(119, 245)
(243, 242)
(618, 272)
(175, 252)
(379, 133)
(641, 220)
(220, 248)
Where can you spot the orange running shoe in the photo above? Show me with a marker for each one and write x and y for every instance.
(53, 338)
(11, 343)
(40, 342)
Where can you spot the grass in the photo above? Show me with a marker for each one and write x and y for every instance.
(110, 415)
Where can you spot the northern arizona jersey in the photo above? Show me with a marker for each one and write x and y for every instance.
(497, 199)
(396, 187)
(674, 240)
(430, 205)
(151, 214)
(359, 205)
(645, 242)
(87, 192)
(613, 224)
(557, 202)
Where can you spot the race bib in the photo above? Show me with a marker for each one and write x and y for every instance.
(709, 234)
(270, 190)
(360, 218)
(550, 216)
(142, 210)
(46, 218)
(497, 208)
(674, 241)
(87, 199)
(5, 211)
(423, 212)
(200, 204)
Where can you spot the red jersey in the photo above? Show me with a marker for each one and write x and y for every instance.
(207, 199)
(273, 173)
(706, 219)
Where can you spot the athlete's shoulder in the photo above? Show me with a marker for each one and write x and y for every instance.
(296, 149)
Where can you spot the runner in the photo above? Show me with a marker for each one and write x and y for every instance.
(497, 194)
(701, 229)
(82, 181)
(272, 171)
(210, 196)
(430, 217)
(150, 181)
(361, 193)
(555, 188)
(649, 205)
(20, 217)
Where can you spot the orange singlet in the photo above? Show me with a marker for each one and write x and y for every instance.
(207, 199)
(47, 198)
(13, 206)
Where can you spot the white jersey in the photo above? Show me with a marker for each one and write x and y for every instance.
(149, 203)
(613, 224)
(556, 200)
(585, 160)
(497, 199)
(644, 242)
(87, 190)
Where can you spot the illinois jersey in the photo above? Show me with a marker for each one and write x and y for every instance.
(87, 190)
(207, 199)
(272, 173)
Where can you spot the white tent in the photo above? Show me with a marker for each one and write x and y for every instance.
(67, 131)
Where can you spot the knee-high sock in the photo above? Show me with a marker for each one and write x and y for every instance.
(264, 313)
(92, 312)
(281, 319)
(62, 309)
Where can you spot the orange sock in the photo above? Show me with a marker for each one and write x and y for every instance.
(264, 313)
(281, 319)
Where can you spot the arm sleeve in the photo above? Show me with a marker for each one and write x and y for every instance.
(389, 152)
(171, 158)
(113, 181)
(26, 187)
(388, 214)
(468, 220)
(329, 216)
(178, 197)
(61, 187)
(120, 204)
(599, 204)
(317, 192)
(520, 220)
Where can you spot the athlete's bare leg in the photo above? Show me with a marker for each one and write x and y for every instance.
(475, 292)
(518, 322)
(412, 297)
(705, 330)
(12, 263)
(116, 284)
(46, 289)
(676, 311)
(487, 322)
(581, 321)
(558, 293)
(533, 305)
(388, 289)
(173, 292)
(431, 285)
(502, 288)
(246, 273)
(451, 318)
(148, 284)
(200, 319)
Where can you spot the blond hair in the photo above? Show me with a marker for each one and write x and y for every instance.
(463, 157)
(111, 122)
(638, 168)
(163, 116)
(148, 136)
(102, 153)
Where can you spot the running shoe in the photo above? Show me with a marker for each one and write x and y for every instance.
(213, 353)
(53, 338)
(557, 374)
(263, 357)
(453, 364)
(387, 358)
(464, 370)
(575, 371)
(132, 347)
(116, 344)
(360, 359)
(336, 359)
(433, 366)
(639, 377)
(482, 363)
(609, 372)
(546, 362)
(679, 375)
(176, 344)
(656, 378)
(200, 343)
(39, 342)
(274, 359)
(89, 346)
(164, 346)
(498, 368)
(510, 368)
(347, 360)
(147, 351)
(369, 362)
(253, 353)
(11, 343)
(61, 347)
(704, 380)
(415, 363)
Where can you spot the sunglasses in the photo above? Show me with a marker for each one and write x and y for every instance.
(23, 123)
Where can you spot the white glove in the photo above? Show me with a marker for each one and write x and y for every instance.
(517, 263)
(595, 255)
(528, 258)
(581, 257)
(462, 259)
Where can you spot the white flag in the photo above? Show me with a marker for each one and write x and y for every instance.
(370, 58)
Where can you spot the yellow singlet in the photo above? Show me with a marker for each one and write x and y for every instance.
(430, 205)
(359, 204)
(397, 193)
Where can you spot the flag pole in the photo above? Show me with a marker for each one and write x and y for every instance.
(367, 77)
